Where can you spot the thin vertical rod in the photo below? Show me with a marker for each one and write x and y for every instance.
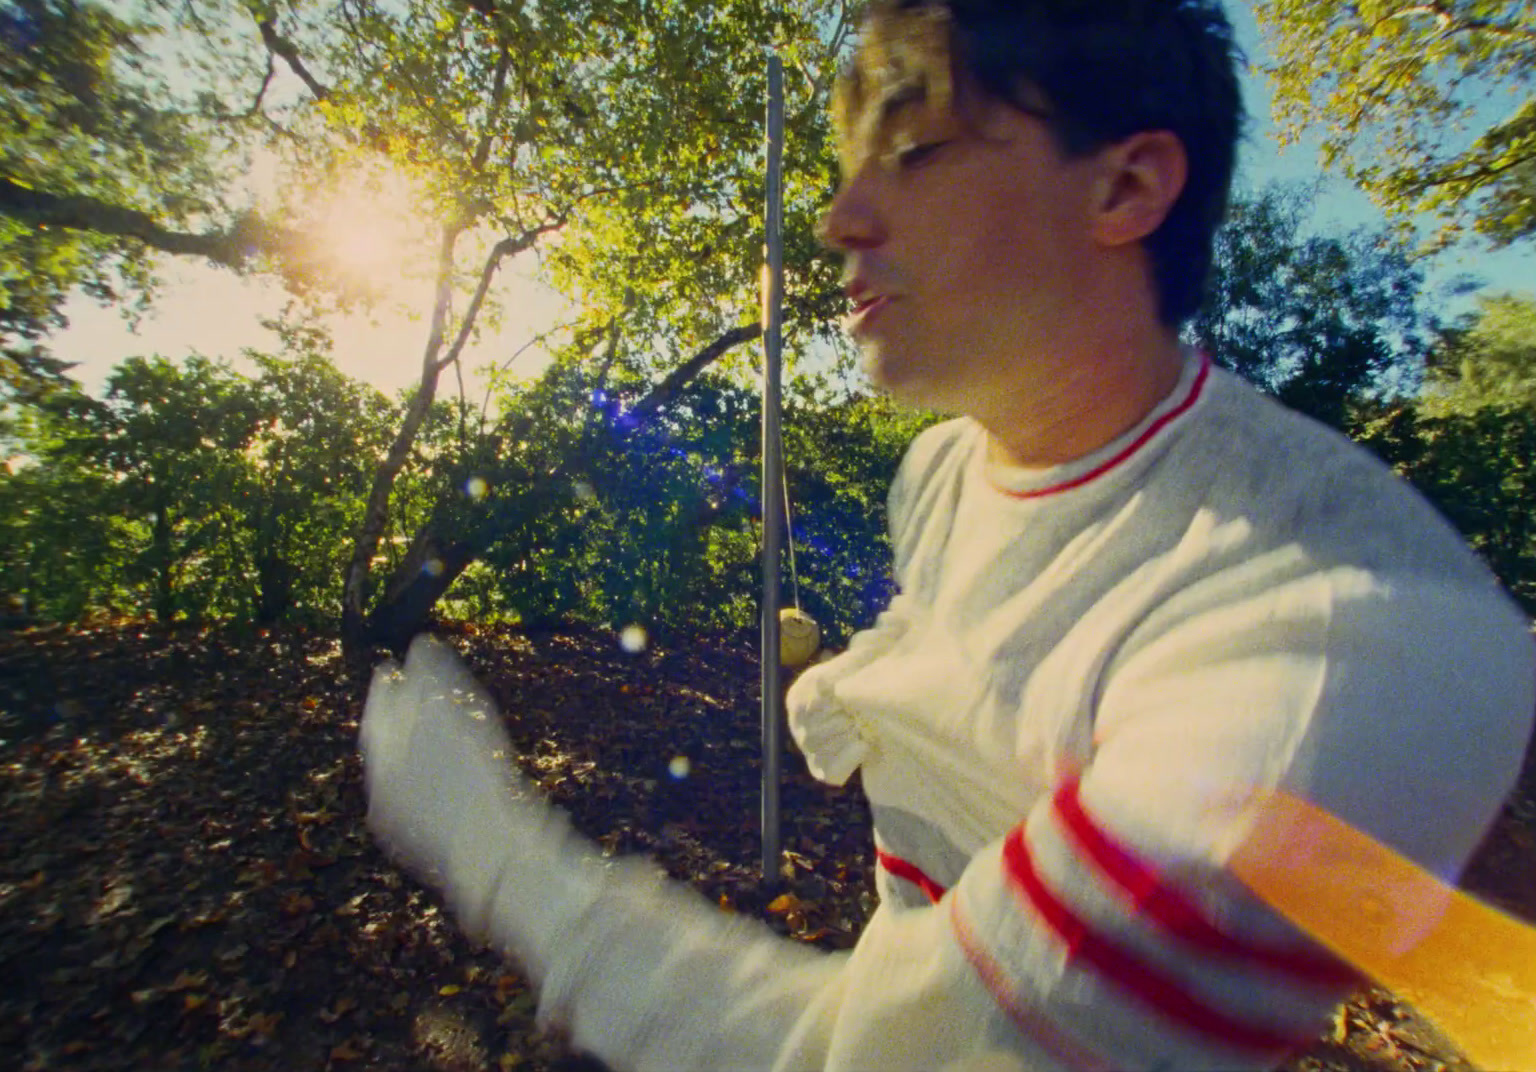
(773, 472)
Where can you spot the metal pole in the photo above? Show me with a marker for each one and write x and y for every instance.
(773, 473)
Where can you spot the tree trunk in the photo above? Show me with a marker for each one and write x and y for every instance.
(165, 585)
(354, 632)
(433, 563)
(355, 639)
(429, 570)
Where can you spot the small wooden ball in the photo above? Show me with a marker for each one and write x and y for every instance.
(799, 638)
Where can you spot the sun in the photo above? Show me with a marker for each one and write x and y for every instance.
(368, 238)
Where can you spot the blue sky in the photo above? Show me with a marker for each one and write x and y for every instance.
(1340, 205)
(216, 313)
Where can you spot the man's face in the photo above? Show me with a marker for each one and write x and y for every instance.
(965, 231)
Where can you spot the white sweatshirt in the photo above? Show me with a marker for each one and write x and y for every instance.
(1086, 672)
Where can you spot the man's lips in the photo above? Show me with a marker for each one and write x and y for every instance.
(866, 307)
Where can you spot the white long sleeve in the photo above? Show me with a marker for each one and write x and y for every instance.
(1100, 931)
(1091, 671)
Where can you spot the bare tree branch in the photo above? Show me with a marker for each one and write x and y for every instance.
(668, 388)
(507, 247)
(81, 212)
(255, 108)
(281, 46)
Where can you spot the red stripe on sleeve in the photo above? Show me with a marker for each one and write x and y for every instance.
(1046, 1034)
(1148, 892)
(912, 873)
(1166, 995)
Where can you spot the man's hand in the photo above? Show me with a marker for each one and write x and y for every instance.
(446, 800)
(823, 728)
(439, 773)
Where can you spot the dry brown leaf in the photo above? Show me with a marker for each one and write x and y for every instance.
(345, 1051)
(783, 903)
(343, 1006)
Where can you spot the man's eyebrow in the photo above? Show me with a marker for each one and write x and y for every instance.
(911, 92)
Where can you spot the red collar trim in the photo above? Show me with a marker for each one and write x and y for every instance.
(1120, 457)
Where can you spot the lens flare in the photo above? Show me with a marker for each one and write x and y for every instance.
(633, 639)
(1466, 966)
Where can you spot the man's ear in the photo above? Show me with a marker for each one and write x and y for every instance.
(1140, 178)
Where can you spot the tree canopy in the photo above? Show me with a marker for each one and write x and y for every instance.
(1428, 107)
(1487, 359)
(1319, 320)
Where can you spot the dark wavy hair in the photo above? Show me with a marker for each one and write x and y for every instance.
(1097, 71)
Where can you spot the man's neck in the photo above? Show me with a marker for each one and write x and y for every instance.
(1085, 401)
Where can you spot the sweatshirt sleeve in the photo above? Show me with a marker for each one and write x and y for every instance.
(829, 733)
(1106, 923)
(1103, 931)
(908, 505)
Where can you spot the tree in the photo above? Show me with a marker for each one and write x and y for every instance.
(175, 440)
(1426, 106)
(1477, 468)
(132, 502)
(1487, 359)
(98, 169)
(319, 437)
(1317, 320)
(633, 130)
(65, 548)
(193, 490)
(665, 262)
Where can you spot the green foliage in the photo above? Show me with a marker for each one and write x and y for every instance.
(1318, 320)
(174, 440)
(192, 491)
(841, 454)
(683, 252)
(1426, 106)
(1488, 358)
(64, 552)
(1469, 442)
(311, 461)
(643, 522)
(656, 521)
(82, 115)
(1479, 468)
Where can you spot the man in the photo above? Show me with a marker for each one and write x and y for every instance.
(1135, 596)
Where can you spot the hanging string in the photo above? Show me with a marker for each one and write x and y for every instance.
(789, 525)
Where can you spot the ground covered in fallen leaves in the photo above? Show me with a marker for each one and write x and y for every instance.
(186, 882)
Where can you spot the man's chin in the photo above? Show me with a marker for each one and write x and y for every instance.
(904, 384)
(889, 374)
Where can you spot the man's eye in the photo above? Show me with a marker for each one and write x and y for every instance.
(912, 156)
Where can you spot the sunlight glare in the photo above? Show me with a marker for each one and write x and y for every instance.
(367, 228)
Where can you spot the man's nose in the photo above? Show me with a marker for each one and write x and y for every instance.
(853, 220)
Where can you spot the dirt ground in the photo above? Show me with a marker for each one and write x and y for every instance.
(186, 883)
